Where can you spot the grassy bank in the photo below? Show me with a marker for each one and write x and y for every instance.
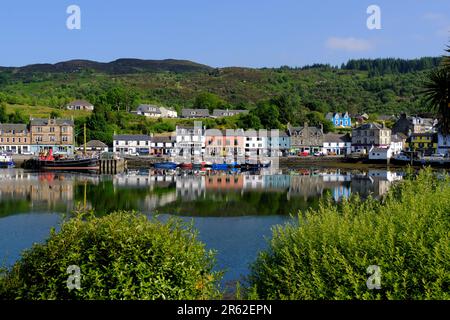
(326, 253)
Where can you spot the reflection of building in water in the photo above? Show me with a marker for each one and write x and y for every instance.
(224, 182)
(190, 187)
(137, 180)
(46, 188)
(375, 182)
(253, 181)
(280, 182)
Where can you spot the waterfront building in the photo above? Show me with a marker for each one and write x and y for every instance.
(306, 139)
(219, 113)
(190, 142)
(256, 143)
(163, 144)
(336, 144)
(340, 120)
(153, 111)
(370, 135)
(278, 143)
(222, 145)
(132, 144)
(52, 134)
(195, 113)
(425, 144)
(15, 138)
(94, 146)
(409, 125)
(80, 105)
(443, 144)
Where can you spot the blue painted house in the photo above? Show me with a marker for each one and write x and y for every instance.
(340, 119)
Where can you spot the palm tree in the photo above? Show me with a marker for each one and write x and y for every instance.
(436, 91)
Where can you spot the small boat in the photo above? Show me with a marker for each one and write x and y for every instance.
(6, 161)
(219, 166)
(186, 166)
(165, 165)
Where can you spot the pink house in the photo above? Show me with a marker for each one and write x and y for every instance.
(222, 145)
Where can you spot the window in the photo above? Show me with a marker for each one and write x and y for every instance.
(52, 129)
(65, 139)
(117, 143)
(52, 138)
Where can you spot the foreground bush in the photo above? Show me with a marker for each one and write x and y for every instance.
(121, 256)
(326, 255)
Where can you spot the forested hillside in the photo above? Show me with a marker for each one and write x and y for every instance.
(277, 95)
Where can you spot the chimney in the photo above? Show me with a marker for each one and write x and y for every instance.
(305, 124)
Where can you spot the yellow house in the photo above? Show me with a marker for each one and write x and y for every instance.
(426, 143)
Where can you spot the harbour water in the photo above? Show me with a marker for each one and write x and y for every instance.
(232, 211)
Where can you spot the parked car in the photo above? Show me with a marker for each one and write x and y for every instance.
(318, 154)
(303, 154)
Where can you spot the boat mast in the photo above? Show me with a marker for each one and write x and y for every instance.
(84, 149)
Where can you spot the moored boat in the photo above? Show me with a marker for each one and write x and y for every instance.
(6, 161)
(165, 165)
(49, 162)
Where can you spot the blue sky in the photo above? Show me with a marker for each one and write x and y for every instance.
(253, 33)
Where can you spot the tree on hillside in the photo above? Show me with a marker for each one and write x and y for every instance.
(207, 100)
(249, 121)
(3, 114)
(436, 91)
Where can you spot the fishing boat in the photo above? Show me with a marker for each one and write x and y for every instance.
(49, 162)
(401, 159)
(165, 165)
(6, 161)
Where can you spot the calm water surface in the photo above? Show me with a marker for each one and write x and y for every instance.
(233, 212)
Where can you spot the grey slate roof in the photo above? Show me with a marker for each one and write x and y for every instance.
(7, 127)
(80, 103)
(195, 113)
(368, 126)
(148, 108)
(45, 122)
(96, 144)
(227, 113)
(336, 137)
(132, 137)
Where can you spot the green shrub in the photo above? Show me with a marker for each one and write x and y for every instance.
(326, 255)
(121, 256)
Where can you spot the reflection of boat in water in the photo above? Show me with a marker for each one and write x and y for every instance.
(6, 161)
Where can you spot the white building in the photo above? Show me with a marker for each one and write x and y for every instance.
(380, 154)
(190, 141)
(94, 146)
(336, 144)
(397, 143)
(153, 111)
(256, 143)
(80, 105)
(443, 144)
(128, 144)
